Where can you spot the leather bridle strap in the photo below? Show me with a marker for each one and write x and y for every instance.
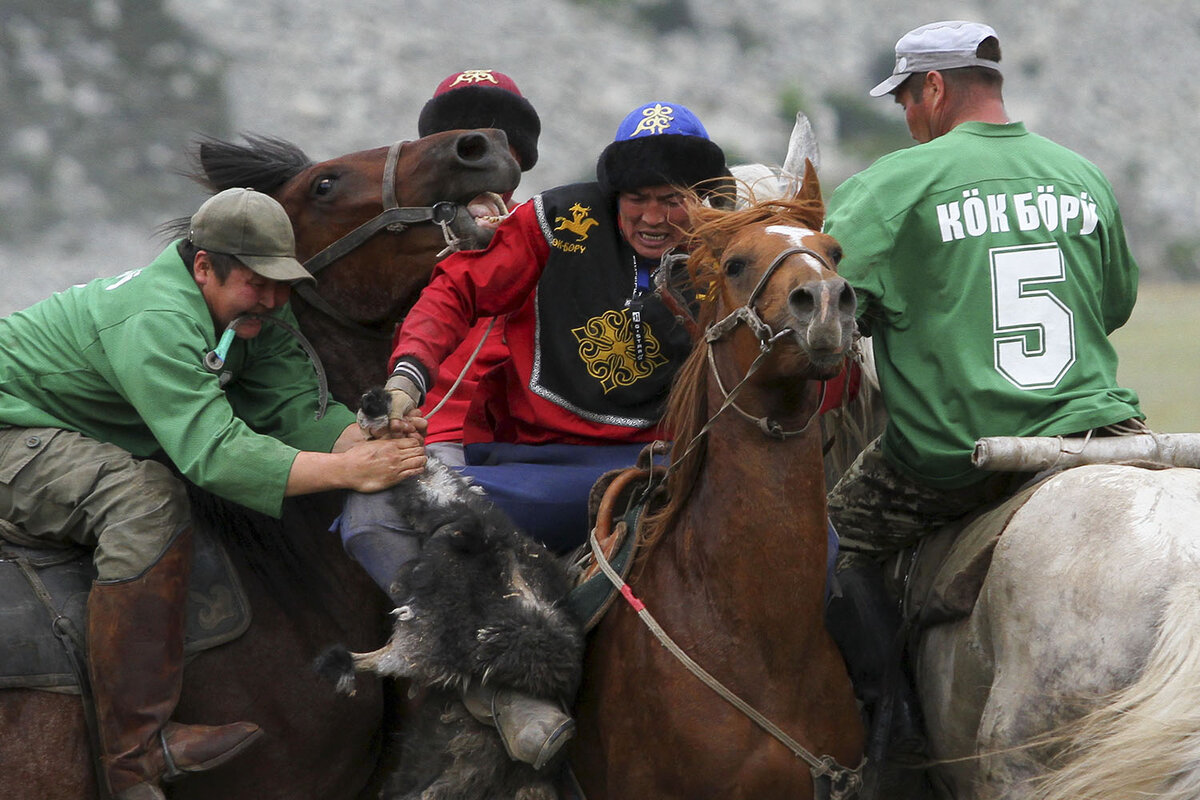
(746, 312)
(394, 219)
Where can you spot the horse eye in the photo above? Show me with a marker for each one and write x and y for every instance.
(734, 267)
(835, 255)
(323, 187)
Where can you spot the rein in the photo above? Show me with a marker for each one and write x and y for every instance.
(842, 782)
(394, 219)
(214, 360)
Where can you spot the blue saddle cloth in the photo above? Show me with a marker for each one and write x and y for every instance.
(33, 657)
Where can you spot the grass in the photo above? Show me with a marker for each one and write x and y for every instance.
(1159, 350)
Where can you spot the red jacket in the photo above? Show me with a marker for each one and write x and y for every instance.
(442, 328)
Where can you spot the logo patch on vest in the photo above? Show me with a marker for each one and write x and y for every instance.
(607, 349)
(579, 223)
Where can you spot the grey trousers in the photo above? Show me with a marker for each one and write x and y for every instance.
(62, 487)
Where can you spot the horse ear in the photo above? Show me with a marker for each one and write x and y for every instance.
(802, 146)
(810, 190)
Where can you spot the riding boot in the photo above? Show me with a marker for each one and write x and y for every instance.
(135, 634)
(865, 623)
(533, 730)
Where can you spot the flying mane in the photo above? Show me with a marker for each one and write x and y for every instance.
(687, 407)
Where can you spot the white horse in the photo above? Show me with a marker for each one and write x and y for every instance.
(1076, 674)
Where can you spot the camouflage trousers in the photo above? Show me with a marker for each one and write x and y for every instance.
(878, 511)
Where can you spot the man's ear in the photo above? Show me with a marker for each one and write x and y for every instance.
(936, 82)
(202, 270)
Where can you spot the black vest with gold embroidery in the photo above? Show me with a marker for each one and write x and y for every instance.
(589, 357)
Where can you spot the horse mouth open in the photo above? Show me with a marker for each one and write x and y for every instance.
(487, 210)
(484, 213)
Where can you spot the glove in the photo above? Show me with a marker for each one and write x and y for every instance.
(405, 396)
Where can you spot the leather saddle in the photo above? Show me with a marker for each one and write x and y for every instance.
(617, 502)
(44, 590)
(949, 567)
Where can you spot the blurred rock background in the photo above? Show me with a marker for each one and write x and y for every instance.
(99, 99)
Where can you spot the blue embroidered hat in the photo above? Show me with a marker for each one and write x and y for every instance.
(660, 143)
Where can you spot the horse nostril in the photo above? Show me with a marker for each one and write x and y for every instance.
(847, 301)
(802, 301)
(472, 146)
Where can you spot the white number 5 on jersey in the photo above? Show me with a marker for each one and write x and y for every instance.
(1035, 332)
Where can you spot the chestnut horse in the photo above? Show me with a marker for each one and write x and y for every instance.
(304, 591)
(735, 569)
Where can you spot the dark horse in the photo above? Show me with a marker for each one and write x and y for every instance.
(735, 568)
(305, 592)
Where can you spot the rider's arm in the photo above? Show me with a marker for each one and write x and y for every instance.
(368, 466)
(469, 285)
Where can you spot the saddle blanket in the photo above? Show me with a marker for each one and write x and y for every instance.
(33, 657)
(952, 563)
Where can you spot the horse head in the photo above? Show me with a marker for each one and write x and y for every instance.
(774, 292)
(370, 225)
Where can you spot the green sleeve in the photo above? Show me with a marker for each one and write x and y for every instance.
(156, 365)
(855, 220)
(277, 392)
(1120, 276)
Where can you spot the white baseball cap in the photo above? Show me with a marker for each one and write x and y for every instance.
(938, 45)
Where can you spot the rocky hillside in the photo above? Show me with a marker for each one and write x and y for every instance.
(101, 97)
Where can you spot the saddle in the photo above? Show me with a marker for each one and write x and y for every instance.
(616, 504)
(950, 565)
(43, 601)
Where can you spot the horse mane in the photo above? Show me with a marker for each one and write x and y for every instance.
(264, 163)
(687, 406)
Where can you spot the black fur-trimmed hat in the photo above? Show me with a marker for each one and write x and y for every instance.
(484, 98)
(660, 143)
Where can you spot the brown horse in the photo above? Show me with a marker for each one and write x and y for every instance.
(371, 235)
(305, 592)
(735, 569)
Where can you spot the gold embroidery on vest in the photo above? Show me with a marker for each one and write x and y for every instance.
(606, 348)
(579, 223)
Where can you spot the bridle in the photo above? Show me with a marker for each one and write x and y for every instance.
(831, 780)
(394, 219)
(748, 314)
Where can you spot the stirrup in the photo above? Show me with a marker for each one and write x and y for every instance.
(532, 729)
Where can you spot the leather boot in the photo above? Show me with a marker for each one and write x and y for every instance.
(865, 623)
(135, 634)
(533, 730)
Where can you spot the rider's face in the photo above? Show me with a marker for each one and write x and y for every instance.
(243, 291)
(652, 219)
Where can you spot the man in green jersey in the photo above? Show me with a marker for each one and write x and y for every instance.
(990, 265)
(101, 382)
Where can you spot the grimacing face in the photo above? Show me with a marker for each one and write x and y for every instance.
(243, 291)
(652, 219)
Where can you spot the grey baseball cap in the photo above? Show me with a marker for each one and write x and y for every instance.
(938, 45)
(254, 228)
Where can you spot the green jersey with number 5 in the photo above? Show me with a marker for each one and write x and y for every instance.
(990, 265)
